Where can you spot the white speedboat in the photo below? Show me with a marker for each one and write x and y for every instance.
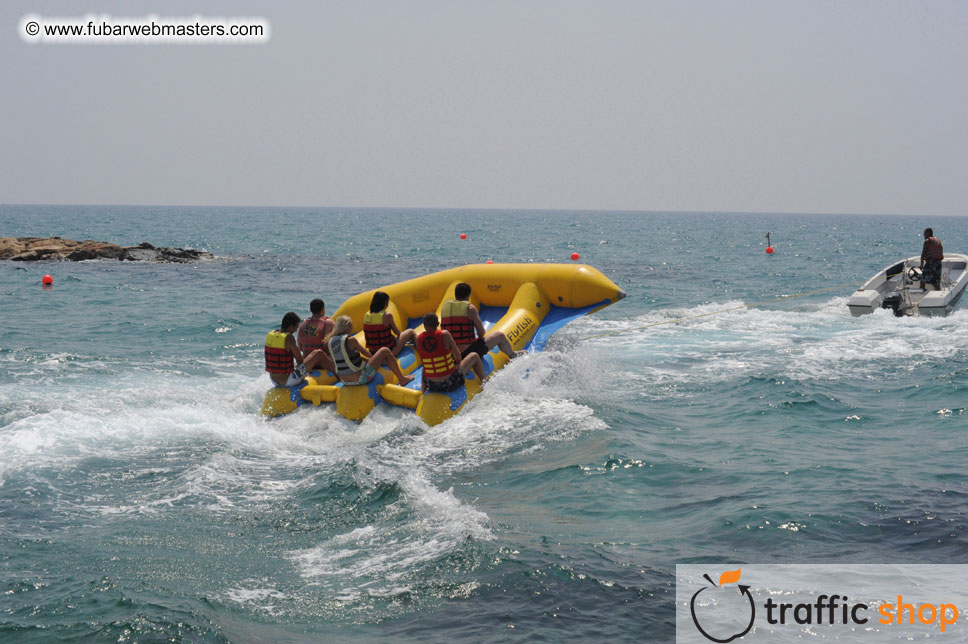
(898, 287)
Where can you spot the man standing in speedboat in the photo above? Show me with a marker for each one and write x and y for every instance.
(931, 255)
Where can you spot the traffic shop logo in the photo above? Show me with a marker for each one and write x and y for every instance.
(741, 608)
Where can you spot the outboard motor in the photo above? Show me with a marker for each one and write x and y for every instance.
(894, 302)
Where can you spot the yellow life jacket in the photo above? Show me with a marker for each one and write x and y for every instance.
(377, 333)
(454, 318)
(278, 358)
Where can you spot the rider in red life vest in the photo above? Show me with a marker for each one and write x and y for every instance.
(461, 319)
(281, 352)
(380, 330)
(313, 331)
(444, 369)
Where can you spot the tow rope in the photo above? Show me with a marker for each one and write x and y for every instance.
(782, 298)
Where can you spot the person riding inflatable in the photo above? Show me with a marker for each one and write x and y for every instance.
(444, 369)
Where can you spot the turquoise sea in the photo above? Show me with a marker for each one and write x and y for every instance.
(143, 499)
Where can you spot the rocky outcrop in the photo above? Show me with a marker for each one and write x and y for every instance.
(32, 249)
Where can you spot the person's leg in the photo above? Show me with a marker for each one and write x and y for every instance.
(279, 379)
(472, 363)
(498, 339)
(385, 357)
(405, 336)
(319, 358)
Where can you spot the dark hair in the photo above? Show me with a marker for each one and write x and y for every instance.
(928, 232)
(316, 306)
(462, 291)
(379, 302)
(430, 321)
(288, 320)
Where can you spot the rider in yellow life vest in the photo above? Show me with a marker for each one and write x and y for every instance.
(444, 369)
(380, 330)
(462, 320)
(282, 354)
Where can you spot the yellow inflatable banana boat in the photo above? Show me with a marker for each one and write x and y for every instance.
(526, 302)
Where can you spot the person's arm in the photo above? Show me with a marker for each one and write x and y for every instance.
(353, 343)
(450, 344)
(416, 354)
(476, 319)
(388, 320)
(294, 348)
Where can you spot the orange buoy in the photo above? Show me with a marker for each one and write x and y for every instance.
(575, 256)
(47, 280)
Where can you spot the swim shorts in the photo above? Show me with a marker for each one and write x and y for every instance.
(297, 376)
(478, 346)
(366, 375)
(455, 380)
(932, 272)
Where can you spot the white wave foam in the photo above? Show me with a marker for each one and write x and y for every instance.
(165, 442)
(381, 559)
(805, 342)
(257, 597)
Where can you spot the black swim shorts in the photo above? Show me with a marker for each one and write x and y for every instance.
(455, 380)
(932, 273)
(478, 346)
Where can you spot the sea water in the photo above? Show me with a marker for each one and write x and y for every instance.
(143, 499)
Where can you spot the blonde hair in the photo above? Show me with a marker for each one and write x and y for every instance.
(344, 324)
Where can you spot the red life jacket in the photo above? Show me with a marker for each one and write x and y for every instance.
(436, 358)
(311, 335)
(377, 333)
(933, 248)
(454, 318)
(278, 358)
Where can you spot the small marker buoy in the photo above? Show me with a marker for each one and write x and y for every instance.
(490, 261)
(575, 256)
(769, 250)
(47, 280)
(463, 235)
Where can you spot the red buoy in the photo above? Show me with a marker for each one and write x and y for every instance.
(575, 256)
(463, 235)
(490, 261)
(769, 250)
(47, 280)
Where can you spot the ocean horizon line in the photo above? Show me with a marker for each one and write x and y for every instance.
(785, 213)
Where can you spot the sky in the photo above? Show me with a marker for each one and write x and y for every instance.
(779, 106)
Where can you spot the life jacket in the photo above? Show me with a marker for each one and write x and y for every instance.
(934, 248)
(310, 334)
(278, 358)
(347, 360)
(437, 360)
(454, 318)
(377, 333)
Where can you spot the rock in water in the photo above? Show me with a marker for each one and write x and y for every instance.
(31, 249)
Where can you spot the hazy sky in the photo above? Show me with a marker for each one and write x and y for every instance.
(774, 106)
